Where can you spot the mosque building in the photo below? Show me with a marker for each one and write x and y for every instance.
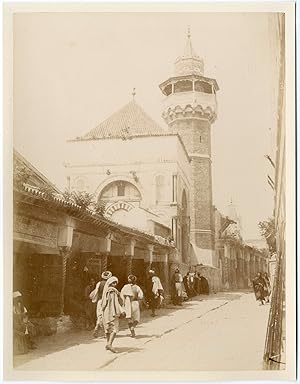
(155, 179)
(154, 187)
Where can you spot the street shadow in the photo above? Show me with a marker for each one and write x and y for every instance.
(128, 349)
(145, 336)
(47, 345)
(149, 336)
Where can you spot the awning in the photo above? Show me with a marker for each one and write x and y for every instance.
(201, 256)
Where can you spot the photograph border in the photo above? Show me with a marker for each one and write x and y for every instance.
(20, 375)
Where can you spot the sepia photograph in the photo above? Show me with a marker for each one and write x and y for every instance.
(149, 213)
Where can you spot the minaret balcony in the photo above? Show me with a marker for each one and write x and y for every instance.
(190, 104)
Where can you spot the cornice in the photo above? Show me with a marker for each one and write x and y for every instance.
(195, 112)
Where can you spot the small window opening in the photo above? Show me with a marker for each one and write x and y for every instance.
(121, 189)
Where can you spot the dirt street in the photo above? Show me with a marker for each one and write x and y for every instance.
(225, 331)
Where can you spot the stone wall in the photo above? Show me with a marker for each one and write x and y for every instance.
(196, 138)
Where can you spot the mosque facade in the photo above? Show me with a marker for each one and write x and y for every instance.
(154, 178)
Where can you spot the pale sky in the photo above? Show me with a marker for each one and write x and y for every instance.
(71, 71)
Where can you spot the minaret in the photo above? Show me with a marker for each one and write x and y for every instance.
(189, 109)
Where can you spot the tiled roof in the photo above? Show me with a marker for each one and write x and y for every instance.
(33, 194)
(131, 120)
(35, 177)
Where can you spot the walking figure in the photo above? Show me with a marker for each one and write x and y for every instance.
(154, 292)
(112, 311)
(131, 294)
(96, 297)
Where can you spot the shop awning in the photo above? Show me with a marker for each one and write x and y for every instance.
(200, 256)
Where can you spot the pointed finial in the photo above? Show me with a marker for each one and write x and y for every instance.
(188, 51)
(133, 93)
(189, 32)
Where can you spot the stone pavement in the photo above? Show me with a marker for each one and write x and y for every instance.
(78, 350)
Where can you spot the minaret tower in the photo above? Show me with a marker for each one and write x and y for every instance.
(189, 109)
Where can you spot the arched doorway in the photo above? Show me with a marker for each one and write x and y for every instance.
(184, 228)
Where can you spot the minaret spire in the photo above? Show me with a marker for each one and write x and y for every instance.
(188, 51)
(133, 93)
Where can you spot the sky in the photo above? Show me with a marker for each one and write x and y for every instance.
(72, 70)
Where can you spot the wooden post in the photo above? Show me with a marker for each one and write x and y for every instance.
(129, 253)
(64, 242)
(104, 249)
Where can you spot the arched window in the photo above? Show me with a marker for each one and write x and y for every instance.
(120, 190)
(159, 188)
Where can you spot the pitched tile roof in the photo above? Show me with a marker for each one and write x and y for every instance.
(131, 120)
(25, 170)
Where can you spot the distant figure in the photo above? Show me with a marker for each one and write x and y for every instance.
(22, 327)
(185, 283)
(204, 285)
(177, 287)
(112, 311)
(154, 292)
(189, 284)
(89, 306)
(259, 288)
(197, 284)
(96, 297)
(267, 287)
(131, 294)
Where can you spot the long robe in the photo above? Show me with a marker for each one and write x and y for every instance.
(111, 310)
(154, 292)
(177, 288)
(259, 288)
(20, 329)
(131, 294)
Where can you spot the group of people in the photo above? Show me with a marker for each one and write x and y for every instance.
(105, 305)
(187, 287)
(110, 305)
(262, 288)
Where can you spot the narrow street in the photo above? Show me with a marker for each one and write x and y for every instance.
(225, 331)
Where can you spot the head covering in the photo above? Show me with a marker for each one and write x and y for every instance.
(111, 279)
(108, 283)
(106, 275)
(151, 271)
(17, 294)
(132, 278)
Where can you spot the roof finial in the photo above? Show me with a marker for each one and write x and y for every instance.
(188, 51)
(133, 93)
